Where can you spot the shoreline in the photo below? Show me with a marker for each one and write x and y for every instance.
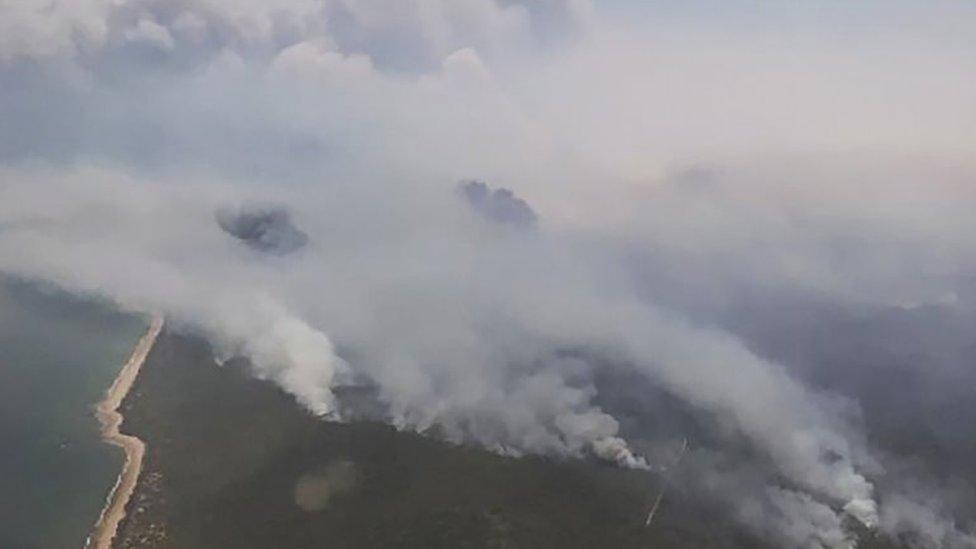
(110, 419)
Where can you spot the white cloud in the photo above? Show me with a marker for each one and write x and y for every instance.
(150, 32)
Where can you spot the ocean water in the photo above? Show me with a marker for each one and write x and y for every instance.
(58, 355)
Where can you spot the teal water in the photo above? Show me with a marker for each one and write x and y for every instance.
(58, 355)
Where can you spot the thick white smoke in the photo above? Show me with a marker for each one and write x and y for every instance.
(460, 324)
(669, 173)
(282, 348)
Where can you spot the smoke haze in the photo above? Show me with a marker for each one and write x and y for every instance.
(764, 220)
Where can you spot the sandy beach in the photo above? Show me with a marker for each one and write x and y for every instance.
(110, 420)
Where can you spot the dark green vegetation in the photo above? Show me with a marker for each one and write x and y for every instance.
(226, 455)
(58, 355)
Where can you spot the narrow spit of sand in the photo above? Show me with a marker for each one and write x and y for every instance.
(109, 417)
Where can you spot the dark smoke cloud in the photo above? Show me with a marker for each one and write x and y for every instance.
(263, 228)
(498, 205)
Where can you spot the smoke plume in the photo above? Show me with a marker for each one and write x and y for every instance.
(264, 229)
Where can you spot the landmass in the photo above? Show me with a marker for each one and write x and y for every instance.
(232, 461)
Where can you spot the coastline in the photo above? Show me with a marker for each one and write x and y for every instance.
(110, 419)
